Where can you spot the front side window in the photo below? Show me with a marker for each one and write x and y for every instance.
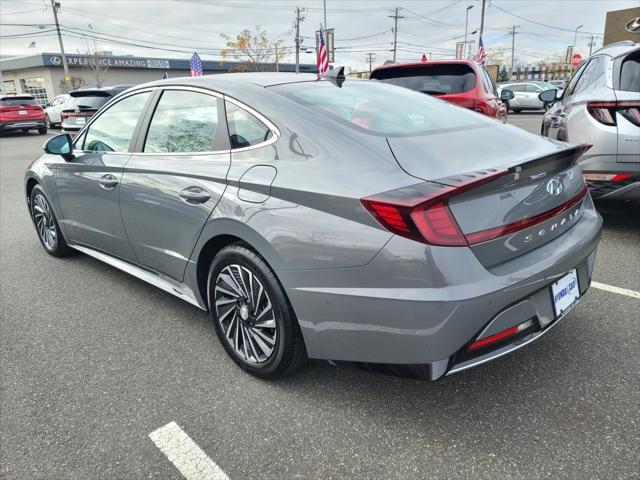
(381, 109)
(113, 129)
(245, 130)
(515, 88)
(184, 122)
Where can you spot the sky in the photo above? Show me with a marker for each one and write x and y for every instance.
(176, 28)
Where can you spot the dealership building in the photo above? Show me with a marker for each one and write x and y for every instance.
(42, 75)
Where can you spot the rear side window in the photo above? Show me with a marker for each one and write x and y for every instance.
(381, 109)
(515, 88)
(431, 79)
(630, 73)
(245, 130)
(113, 129)
(183, 122)
(17, 101)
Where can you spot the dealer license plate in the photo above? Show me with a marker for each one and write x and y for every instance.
(565, 293)
(22, 112)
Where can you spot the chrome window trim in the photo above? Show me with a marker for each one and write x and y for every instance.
(270, 125)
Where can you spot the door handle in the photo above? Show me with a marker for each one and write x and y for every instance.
(194, 195)
(108, 181)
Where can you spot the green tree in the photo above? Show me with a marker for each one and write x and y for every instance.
(254, 50)
(503, 76)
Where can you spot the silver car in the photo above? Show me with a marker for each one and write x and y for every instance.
(355, 221)
(601, 106)
(526, 95)
(54, 109)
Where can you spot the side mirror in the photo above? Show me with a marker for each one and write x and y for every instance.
(506, 94)
(548, 96)
(46, 105)
(60, 145)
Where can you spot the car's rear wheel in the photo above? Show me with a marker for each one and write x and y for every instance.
(252, 315)
(46, 224)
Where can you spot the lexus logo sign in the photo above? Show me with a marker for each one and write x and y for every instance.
(554, 187)
(55, 60)
(633, 26)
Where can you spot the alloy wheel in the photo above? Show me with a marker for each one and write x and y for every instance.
(45, 223)
(245, 314)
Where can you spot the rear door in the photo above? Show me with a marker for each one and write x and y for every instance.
(175, 178)
(88, 185)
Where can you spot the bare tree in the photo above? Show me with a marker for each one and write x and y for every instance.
(97, 64)
(73, 83)
(254, 50)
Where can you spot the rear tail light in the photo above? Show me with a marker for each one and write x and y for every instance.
(607, 177)
(421, 212)
(605, 112)
(500, 336)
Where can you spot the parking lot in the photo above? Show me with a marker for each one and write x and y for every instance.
(94, 361)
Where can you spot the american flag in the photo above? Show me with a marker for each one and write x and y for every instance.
(323, 57)
(32, 45)
(196, 65)
(481, 55)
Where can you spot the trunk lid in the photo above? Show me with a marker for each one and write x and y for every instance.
(536, 198)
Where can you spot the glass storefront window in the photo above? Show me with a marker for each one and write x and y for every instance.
(9, 87)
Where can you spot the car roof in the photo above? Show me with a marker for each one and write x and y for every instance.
(471, 63)
(102, 91)
(17, 96)
(618, 49)
(263, 79)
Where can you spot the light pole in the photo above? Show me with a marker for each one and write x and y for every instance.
(575, 39)
(466, 24)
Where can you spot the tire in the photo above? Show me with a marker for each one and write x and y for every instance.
(42, 131)
(274, 349)
(49, 232)
(25, 130)
(516, 110)
(47, 121)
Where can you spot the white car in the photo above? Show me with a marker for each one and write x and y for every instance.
(54, 109)
(526, 95)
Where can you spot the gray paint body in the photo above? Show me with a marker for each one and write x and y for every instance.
(359, 292)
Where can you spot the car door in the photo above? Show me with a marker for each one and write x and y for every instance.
(555, 120)
(494, 103)
(530, 96)
(88, 185)
(518, 100)
(175, 177)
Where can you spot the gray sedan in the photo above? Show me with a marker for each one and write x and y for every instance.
(354, 221)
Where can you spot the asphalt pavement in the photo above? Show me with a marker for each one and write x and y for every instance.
(94, 360)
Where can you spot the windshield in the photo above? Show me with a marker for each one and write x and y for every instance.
(15, 101)
(87, 102)
(431, 79)
(381, 109)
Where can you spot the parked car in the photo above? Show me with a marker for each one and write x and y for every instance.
(463, 82)
(364, 223)
(559, 84)
(54, 109)
(601, 106)
(526, 95)
(21, 112)
(84, 103)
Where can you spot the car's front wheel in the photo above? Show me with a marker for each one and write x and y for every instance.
(47, 121)
(252, 315)
(46, 224)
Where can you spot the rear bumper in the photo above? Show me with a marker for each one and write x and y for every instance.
(615, 190)
(417, 307)
(21, 124)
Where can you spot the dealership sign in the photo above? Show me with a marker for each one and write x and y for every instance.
(107, 61)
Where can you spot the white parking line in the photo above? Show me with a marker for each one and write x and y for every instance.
(185, 454)
(611, 288)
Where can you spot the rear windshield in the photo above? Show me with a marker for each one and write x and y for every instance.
(630, 73)
(87, 102)
(431, 79)
(381, 109)
(13, 101)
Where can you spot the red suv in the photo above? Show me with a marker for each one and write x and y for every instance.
(463, 82)
(21, 112)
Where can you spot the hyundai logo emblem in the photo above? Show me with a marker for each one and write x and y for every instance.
(633, 25)
(554, 187)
